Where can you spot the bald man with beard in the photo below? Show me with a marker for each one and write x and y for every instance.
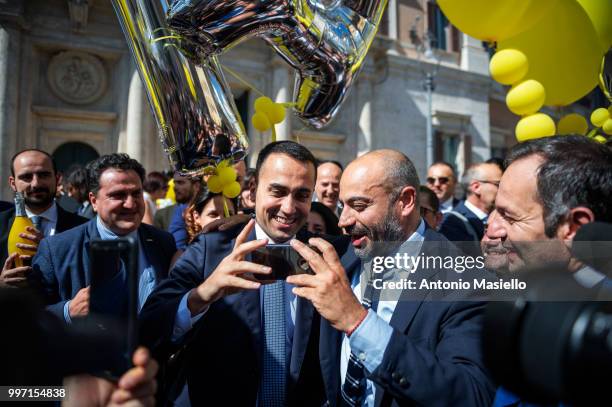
(390, 351)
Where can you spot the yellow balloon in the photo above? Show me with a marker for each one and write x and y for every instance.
(600, 13)
(526, 98)
(214, 184)
(231, 190)
(607, 127)
(508, 66)
(534, 126)
(262, 104)
(599, 116)
(600, 139)
(276, 113)
(572, 123)
(227, 175)
(563, 53)
(260, 121)
(495, 20)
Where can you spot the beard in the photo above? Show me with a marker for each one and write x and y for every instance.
(42, 201)
(384, 237)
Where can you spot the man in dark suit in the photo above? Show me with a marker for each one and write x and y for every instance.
(244, 343)
(390, 347)
(466, 222)
(34, 175)
(442, 179)
(61, 265)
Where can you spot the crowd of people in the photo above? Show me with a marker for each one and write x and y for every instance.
(224, 335)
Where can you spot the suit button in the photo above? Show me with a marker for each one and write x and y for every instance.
(362, 356)
(395, 376)
(403, 382)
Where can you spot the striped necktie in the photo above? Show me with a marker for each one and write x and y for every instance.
(354, 387)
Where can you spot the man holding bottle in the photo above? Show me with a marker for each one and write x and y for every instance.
(34, 176)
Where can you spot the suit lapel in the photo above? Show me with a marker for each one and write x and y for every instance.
(90, 234)
(152, 251)
(249, 306)
(330, 343)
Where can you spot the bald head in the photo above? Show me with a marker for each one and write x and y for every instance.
(379, 191)
(391, 168)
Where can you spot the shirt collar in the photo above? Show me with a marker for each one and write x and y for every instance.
(447, 205)
(479, 213)
(107, 234)
(260, 234)
(49, 215)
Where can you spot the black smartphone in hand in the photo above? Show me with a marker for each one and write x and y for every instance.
(283, 259)
(113, 301)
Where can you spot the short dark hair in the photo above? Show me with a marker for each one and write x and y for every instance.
(287, 147)
(449, 165)
(577, 171)
(77, 178)
(154, 182)
(430, 197)
(29, 150)
(119, 161)
(400, 173)
(329, 218)
(336, 163)
(497, 161)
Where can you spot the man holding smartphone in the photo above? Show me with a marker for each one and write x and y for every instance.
(246, 343)
(411, 349)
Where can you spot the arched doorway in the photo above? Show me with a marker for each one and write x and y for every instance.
(73, 154)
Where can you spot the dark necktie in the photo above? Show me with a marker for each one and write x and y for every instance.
(37, 221)
(354, 387)
(273, 381)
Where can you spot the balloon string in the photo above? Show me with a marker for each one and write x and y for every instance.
(244, 82)
(225, 208)
(273, 133)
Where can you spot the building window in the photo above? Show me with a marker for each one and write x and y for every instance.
(447, 148)
(444, 35)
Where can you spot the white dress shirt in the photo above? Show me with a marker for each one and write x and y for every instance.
(48, 219)
(476, 211)
(447, 205)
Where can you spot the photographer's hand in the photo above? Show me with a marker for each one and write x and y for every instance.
(328, 289)
(229, 276)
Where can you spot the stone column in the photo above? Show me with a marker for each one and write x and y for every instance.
(280, 93)
(474, 58)
(135, 138)
(392, 19)
(365, 96)
(10, 68)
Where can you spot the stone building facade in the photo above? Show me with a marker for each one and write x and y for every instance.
(68, 85)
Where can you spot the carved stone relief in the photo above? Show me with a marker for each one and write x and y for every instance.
(76, 77)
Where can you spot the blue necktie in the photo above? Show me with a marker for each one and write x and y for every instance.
(273, 381)
(37, 221)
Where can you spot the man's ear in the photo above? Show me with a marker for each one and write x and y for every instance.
(12, 183)
(93, 201)
(253, 190)
(576, 218)
(474, 187)
(407, 199)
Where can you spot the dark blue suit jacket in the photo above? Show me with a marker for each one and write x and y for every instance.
(434, 356)
(222, 354)
(61, 265)
(455, 230)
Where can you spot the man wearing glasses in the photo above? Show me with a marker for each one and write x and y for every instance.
(442, 180)
(466, 222)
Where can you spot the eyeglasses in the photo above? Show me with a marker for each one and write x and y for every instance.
(496, 183)
(441, 180)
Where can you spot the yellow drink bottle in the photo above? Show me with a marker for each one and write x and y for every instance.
(20, 224)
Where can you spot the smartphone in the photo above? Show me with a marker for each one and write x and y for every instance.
(283, 259)
(113, 301)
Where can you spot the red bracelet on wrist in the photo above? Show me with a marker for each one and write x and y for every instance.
(363, 316)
